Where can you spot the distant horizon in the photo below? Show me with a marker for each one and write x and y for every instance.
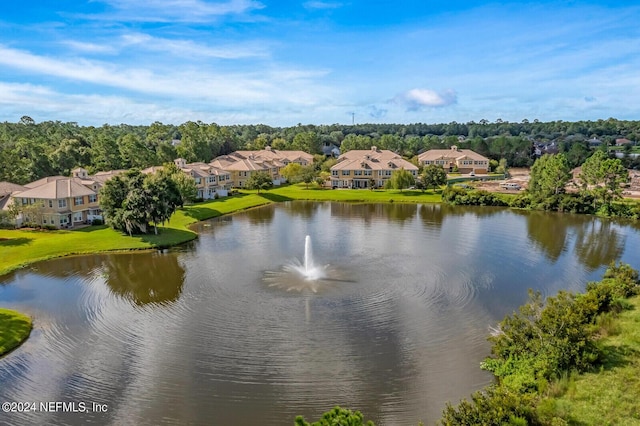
(252, 62)
(467, 123)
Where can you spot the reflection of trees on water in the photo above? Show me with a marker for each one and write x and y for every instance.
(396, 212)
(261, 216)
(598, 243)
(145, 277)
(304, 209)
(547, 232)
(433, 215)
(69, 266)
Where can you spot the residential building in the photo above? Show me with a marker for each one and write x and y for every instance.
(367, 168)
(64, 202)
(242, 164)
(7, 189)
(211, 181)
(464, 160)
(241, 169)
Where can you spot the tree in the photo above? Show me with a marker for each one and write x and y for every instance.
(293, 172)
(337, 416)
(400, 179)
(308, 174)
(502, 168)
(186, 184)
(307, 142)
(259, 181)
(604, 175)
(549, 175)
(433, 176)
(131, 201)
(163, 197)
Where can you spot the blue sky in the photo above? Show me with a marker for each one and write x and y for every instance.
(318, 61)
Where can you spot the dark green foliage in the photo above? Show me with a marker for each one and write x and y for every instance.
(400, 179)
(543, 341)
(496, 405)
(131, 201)
(51, 148)
(337, 417)
(433, 176)
(460, 196)
(259, 181)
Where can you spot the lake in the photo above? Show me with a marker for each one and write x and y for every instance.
(219, 332)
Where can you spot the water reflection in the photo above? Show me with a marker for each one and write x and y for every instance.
(547, 232)
(261, 216)
(598, 243)
(141, 279)
(399, 213)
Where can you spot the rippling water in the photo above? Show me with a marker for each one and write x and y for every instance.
(197, 335)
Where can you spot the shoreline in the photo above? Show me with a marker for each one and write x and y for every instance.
(15, 329)
(22, 248)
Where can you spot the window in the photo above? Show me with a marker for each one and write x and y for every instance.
(50, 204)
(93, 198)
(78, 201)
(62, 203)
(357, 172)
(345, 173)
(211, 179)
(334, 173)
(198, 180)
(367, 172)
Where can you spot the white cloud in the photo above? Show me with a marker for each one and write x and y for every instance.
(232, 88)
(89, 47)
(416, 99)
(175, 10)
(322, 5)
(189, 48)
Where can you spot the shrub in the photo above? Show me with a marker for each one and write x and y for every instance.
(97, 222)
(495, 406)
(335, 417)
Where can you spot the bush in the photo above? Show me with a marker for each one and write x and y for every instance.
(495, 406)
(337, 417)
(97, 222)
(49, 227)
(460, 196)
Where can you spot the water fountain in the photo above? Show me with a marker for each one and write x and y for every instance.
(305, 275)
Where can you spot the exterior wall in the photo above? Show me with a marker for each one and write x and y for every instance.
(65, 212)
(361, 178)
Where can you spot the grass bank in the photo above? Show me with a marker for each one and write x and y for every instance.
(19, 248)
(608, 396)
(14, 329)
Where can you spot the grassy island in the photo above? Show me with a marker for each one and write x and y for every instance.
(14, 329)
(22, 247)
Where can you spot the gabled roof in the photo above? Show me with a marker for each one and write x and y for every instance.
(43, 181)
(452, 153)
(8, 188)
(56, 189)
(374, 159)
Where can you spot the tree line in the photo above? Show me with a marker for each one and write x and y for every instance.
(30, 150)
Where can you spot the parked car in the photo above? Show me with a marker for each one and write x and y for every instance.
(510, 186)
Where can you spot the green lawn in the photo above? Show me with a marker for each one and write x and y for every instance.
(19, 248)
(300, 192)
(608, 396)
(14, 329)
